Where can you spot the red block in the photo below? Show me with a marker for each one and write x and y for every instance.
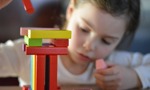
(40, 72)
(46, 50)
(53, 73)
(60, 42)
(28, 6)
(26, 87)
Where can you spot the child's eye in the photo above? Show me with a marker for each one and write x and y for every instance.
(105, 41)
(84, 30)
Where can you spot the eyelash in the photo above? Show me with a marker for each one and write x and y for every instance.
(104, 41)
(84, 30)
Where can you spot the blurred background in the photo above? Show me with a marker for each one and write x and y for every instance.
(141, 42)
(50, 13)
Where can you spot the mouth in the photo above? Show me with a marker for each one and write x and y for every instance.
(83, 57)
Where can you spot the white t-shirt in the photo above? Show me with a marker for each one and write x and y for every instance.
(14, 63)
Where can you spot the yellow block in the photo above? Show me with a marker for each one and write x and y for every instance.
(34, 73)
(53, 34)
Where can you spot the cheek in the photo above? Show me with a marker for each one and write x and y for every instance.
(75, 41)
(103, 52)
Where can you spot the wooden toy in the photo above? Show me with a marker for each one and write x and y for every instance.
(51, 34)
(24, 30)
(44, 55)
(46, 50)
(33, 41)
(28, 6)
(100, 64)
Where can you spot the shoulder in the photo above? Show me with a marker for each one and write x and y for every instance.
(126, 58)
(120, 54)
(13, 42)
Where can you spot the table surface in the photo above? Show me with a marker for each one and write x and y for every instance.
(10, 88)
(62, 88)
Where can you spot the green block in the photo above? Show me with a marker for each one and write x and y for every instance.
(33, 41)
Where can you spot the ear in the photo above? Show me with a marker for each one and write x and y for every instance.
(70, 9)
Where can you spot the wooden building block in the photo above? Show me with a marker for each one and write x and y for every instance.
(28, 6)
(39, 72)
(53, 73)
(33, 71)
(61, 42)
(46, 50)
(47, 73)
(24, 30)
(100, 64)
(49, 34)
(26, 87)
(33, 41)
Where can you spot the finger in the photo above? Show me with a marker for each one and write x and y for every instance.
(102, 86)
(109, 71)
(109, 64)
(99, 77)
(110, 88)
(114, 83)
(107, 78)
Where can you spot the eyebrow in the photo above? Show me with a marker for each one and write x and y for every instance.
(90, 25)
(115, 38)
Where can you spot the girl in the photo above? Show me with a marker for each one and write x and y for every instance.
(98, 29)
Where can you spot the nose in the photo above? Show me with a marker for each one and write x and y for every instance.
(90, 44)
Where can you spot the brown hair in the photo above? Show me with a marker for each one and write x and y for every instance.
(129, 8)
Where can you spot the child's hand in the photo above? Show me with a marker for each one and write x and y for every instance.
(116, 77)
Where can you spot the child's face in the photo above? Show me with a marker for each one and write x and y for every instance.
(95, 33)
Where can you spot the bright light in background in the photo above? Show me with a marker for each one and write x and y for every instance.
(143, 32)
(36, 3)
(142, 39)
(145, 5)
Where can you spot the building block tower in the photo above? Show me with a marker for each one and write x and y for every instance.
(43, 61)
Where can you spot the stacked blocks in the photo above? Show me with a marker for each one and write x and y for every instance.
(44, 55)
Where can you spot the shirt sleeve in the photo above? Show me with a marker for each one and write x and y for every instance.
(13, 61)
(143, 71)
(139, 62)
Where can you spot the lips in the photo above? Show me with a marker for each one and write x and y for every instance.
(83, 57)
